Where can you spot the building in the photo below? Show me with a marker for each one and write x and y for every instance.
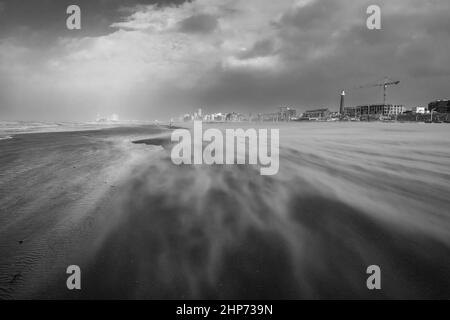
(374, 109)
(235, 117)
(350, 111)
(316, 114)
(268, 117)
(286, 114)
(419, 110)
(112, 118)
(440, 106)
(218, 116)
(390, 109)
(188, 117)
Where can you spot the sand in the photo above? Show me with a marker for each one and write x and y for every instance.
(348, 195)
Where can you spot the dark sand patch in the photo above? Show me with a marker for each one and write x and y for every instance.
(164, 142)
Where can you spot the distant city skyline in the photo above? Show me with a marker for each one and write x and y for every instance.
(148, 60)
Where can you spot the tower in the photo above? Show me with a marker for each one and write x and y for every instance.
(342, 105)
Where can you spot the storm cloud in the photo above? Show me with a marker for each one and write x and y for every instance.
(156, 60)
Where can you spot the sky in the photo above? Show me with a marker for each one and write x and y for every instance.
(147, 60)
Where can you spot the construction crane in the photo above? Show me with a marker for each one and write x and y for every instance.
(386, 83)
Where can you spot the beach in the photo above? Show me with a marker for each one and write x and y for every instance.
(347, 195)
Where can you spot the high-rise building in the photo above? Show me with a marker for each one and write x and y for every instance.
(375, 109)
(440, 106)
(286, 114)
(317, 114)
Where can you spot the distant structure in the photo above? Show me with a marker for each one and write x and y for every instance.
(342, 104)
(386, 83)
(317, 114)
(112, 118)
(374, 109)
(213, 117)
(283, 114)
(440, 106)
(273, 117)
(235, 117)
(217, 117)
(419, 110)
(286, 114)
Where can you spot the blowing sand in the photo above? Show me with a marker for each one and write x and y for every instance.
(348, 195)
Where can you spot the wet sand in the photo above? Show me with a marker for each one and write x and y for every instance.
(348, 195)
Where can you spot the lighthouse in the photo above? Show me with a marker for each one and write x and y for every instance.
(342, 105)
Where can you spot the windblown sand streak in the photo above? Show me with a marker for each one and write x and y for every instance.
(346, 196)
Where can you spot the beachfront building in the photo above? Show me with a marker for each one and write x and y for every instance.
(235, 117)
(350, 112)
(188, 117)
(286, 114)
(112, 118)
(317, 114)
(395, 109)
(218, 117)
(375, 109)
(440, 106)
(419, 110)
(268, 117)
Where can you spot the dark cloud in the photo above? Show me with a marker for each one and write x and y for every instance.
(48, 17)
(226, 57)
(311, 15)
(200, 23)
(333, 49)
(261, 48)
